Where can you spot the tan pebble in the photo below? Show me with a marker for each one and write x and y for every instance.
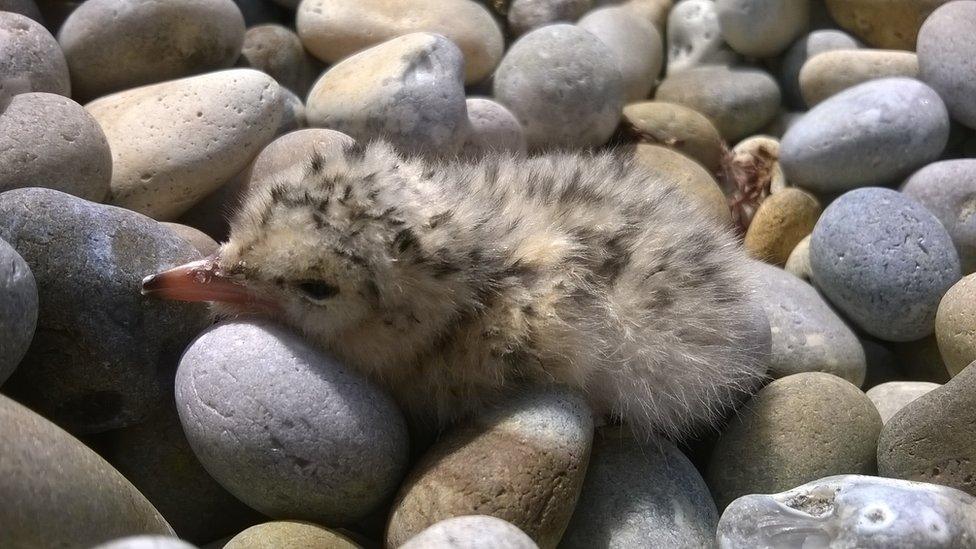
(678, 127)
(289, 533)
(690, 176)
(955, 325)
(782, 221)
(826, 74)
(883, 23)
(798, 264)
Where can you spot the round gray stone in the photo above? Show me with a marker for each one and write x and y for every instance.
(277, 51)
(471, 532)
(947, 57)
(493, 128)
(948, 190)
(288, 430)
(557, 82)
(818, 41)
(146, 542)
(892, 396)
(103, 355)
(762, 28)
(18, 309)
(885, 261)
(31, 60)
(874, 133)
(694, 37)
(636, 44)
(526, 15)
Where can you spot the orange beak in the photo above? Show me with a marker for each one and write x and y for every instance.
(204, 280)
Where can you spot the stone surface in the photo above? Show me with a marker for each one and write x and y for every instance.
(874, 133)
(697, 184)
(762, 28)
(947, 57)
(557, 82)
(471, 532)
(694, 37)
(31, 60)
(781, 221)
(948, 190)
(526, 15)
(113, 45)
(522, 461)
(287, 430)
(678, 127)
(146, 542)
(18, 309)
(103, 355)
(289, 534)
(493, 128)
(635, 43)
(798, 264)
(293, 118)
(409, 90)
(852, 511)
(885, 261)
(883, 23)
(335, 29)
(892, 396)
(47, 140)
(797, 429)
(277, 51)
(667, 503)
(652, 11)
(176, 142)
(60, 493)
(738, 101)
(26, 8)
(931, 439)
(816, 42)
(196, 238)
(955, 325)
(829, 73)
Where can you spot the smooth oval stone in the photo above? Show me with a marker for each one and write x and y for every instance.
(678, 127)
(58, 493)
(289, 534)
(277, 51)
(885, 261)
(762, 28)
(667, 503)
(892, 396)
(781, 221)
(471, 532)
(852, 511)
(103, 355)
(636, 44)
(946, 49)
(18, 309)
(493, 128)
(146, 542)
(807, 47)
(798, 264)
(874, 133)
(113, 45)
(694, 37)
(287, 430)
(694, 180)
(654, 12)
(798, 428)
(335, 29)
(738, 101)
(48, 140)
(891, 24)
(948, 190)
(196, 238)
(26, 8)
(408, 90)
(526, 15)
(832, 72)
(955, 325)
(31, 60)
(931, 439)
(176, 142)
(557, 82)
(522, 461)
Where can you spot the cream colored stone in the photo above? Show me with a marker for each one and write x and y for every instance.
(690, 176)
(678, 127)
(798, 264)
(955, 325)
(289, 534)
(827, 73)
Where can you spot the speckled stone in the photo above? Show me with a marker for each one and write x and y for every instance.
(31, 60)
(557, 82)
(832, 72)
(839, 145)
(277, 51)
(146, 542)
(852, 511)
(947, 57)
(890, 24)
(526, 15)
(762, 28)
(694, 180)
(667, 503)
(289, 534)
(522, 461)
(885, 261)
(678, 127)
(816, 42)
(103, 355)
(635, 43)
(409, 90)
(797, 429)
(493, 128)
(955, 325)
(288, 430)
(948, 190)
(18, 309)
(694, 37)
(781, 221)
(48, 140)
(471, 532)
(798, 264)
(196, 238)
(892, 396)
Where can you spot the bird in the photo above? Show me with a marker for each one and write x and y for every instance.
(453, 281)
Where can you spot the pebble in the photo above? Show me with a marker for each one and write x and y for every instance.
(697, 184)
(892, 396)
(471, 532)
(762, 28)
(891, 24)
(409, 90)
(931, 439)
(946, 49)
(798, 264)
(113, 45)
(522, 461)
(678, 127)
(852, 511)
(652, 11)
(26, 8)
(18, 309)
(635, 43)
(59, 493)
(781, 221)
(694, 38)
(32, 61)
(874, 133)
(829, 73)
(807, 47)
(667, 503)
(739, 101)
(196, 238)
(176, 142)
(557, 82)
(885, 261)
(493, 128)
(527, 15)
(102, 352)
(335, 29)
(146, 542)
(277, 51)
(287, 430)
(48, 140)
(293, 118)
(289, 534)
(955, 325)
(808, 336)
(797, 429)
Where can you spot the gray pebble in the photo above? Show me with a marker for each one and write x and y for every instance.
(892, 396)
(885, 261)
(146, 542)
(636, 45)
(948, 190)
(526, 15)
(493, 128)
(694, 37)
(31, 60)
(18, 309)
(762, 28)
(277, 51)
(471, 532)
(947, 57)
(287, 430)
(293, 115)
(818, 41)
(26, 8)
(871, 134)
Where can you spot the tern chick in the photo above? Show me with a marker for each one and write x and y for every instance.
(449, 282)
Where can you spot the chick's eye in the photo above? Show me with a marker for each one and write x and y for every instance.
(318, 290)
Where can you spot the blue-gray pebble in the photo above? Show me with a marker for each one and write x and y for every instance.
(18, 309)
(871, 134)
(948, 190)
(885, 261)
